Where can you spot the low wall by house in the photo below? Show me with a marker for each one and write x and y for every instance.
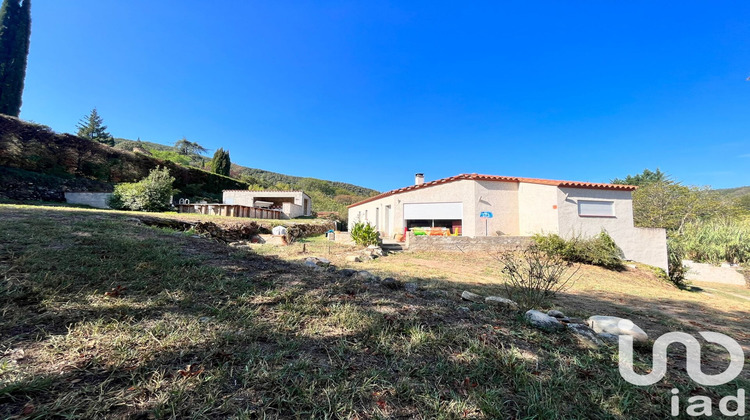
(98, 200)
(465, 243)
(291, 210)
(724, 274)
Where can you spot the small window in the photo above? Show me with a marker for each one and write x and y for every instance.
(596, 208)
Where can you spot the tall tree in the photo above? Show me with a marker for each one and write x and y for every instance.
(186, 147)
(15, 36)
(92, 127)
(644, 178)
(221, 164)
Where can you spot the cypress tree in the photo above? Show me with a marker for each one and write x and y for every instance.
(15, 35)
(220, 163)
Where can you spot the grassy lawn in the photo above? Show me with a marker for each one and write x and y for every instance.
(106, 317)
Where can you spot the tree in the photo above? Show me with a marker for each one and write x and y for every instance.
(221, 164)
(187, 148)
(15, 36)
(644, 178)
(92, 127)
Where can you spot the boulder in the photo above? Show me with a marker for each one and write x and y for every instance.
(347, 272)
(500, 302)
(543, 321)
(472, 297)
(616, 326)
(279, 231)
(556, 314)
(353, 258)
(585, 335)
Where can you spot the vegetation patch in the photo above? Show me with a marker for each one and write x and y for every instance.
(599, 250)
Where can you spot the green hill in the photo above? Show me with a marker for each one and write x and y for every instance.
(740, 195)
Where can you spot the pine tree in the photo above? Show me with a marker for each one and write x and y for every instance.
(15, 34)
(92, 127)
(221, 164)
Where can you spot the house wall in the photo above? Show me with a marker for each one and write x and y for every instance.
(500, 198)
(292, 210)
(536, 209)
(648, 246)
(483, 244)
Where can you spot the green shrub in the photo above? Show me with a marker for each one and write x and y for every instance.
(152, 193)
(677, 270)
(363, 234)
(600, 250)
(714, 241)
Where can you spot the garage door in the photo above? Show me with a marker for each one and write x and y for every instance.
(433, 211)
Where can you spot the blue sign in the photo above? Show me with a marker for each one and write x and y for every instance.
(486, 215)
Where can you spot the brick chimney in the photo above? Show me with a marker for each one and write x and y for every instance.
(418, 179)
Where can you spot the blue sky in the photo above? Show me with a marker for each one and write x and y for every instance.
(370, 93)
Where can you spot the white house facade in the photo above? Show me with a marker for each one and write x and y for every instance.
(518, 207)
(291, 203)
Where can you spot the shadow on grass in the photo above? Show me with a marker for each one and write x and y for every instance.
(269, 338)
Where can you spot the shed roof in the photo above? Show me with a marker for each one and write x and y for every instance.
(498, 178)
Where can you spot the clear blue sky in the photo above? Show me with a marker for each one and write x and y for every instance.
(370, 93)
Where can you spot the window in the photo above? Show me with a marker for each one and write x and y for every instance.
(596, 208)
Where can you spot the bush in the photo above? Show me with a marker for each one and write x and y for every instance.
(600, 250)
(152, 193)
(363, 234)
(533, 276)
(677, 270)
(714, 241)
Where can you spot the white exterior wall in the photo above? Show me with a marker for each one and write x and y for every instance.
(292, 210)
(537, 212)
(648, 246)
(500, 198)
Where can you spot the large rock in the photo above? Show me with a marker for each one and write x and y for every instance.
(500, 302)
(556, 314)
(616, 326)
(472, 297)
(585, 335)
(353, 258)
(347, 272)
(391, 283)
(543, 321)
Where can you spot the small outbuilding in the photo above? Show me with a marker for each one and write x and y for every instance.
(477, 205)
(291, 204)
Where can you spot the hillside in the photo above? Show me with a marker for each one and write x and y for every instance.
(740, 195)
(31, 154)
(326, 195)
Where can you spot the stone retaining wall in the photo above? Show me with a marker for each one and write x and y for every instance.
(466, 243)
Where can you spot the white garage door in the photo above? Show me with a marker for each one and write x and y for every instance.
(433, 211)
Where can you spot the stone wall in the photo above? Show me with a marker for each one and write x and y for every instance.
(93, 199)
(465, 243)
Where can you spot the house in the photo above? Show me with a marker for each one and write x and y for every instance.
(514, 206)
(291, 203)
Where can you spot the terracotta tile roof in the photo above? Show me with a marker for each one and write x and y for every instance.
(498, 178)
(265, 191)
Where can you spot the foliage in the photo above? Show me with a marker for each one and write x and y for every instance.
(153, 193)
(714, 241)
(677, 270)
(644, 178)
(15, 34)
(221, 164)
(600, 250)
(364, 234)
(670, 205)
(187, 148)
(92, 128)
(171, 156)
(533, 276)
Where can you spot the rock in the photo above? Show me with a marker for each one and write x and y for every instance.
(617, 326)
(279, 231)
(353, 258)
(463, 308)
(310, 263)
(543, 321)
(204, 319)
(365, 275)
(347, 272)
(500, 302)
(473, 297)
(609, 338)
(317, 262)
(585, 335)
(391, 283)
(411, 287)
(556, 314)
